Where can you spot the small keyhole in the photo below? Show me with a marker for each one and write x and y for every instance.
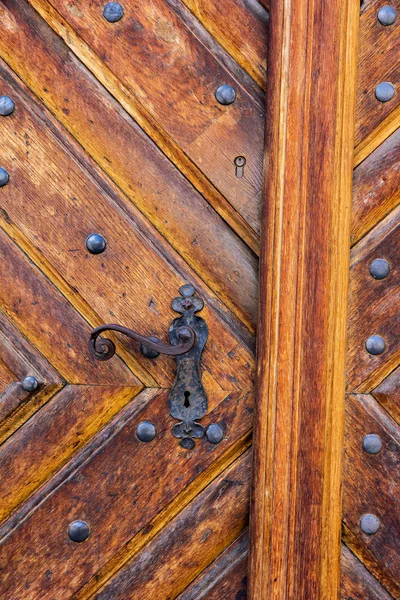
(239, 163)
(186, 402)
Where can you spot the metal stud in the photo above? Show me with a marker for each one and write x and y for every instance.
(375, 344)
(4, 177)
(7, 106)
(214, 433)
(384, 91)
(379, 268)
(148, 352)
(187, 443)
(386, 15)
(369, 524)
(30, 383)
(78, 531)
(113, 12)
(225, 94)
(96, 243)
(146, 431)
(372, 443)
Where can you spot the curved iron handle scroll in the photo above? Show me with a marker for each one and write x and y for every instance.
(104, 349)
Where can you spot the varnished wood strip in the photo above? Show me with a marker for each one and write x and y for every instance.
(135, 279)
(376, 187)
(374, 306)
(160, 191)
(189, 543)
(122, 479)
(53, 435)
(388, 394)
(378, 62)
(296, 515)
(357, 581)
(153, 126)
(377, 136)
(225, 578)
(241, 27)
(371, 486)
(50, 323)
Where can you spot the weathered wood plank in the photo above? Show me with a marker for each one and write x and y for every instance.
(374, 306)
(371, 486)
(296, 515)
(53, 435)
(120, 476)
(51, 324)
(132, 161)
(376, 187)
(357, 582)
(185, 107)
(388, 394)
(189, 543)
(241, 27)
(378, 62)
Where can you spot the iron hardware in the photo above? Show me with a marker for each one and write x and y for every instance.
(386, 15)
(4, 177)
(188, 335)
(225, 94)
(113, 12)
(30, 383)
(78, 531)
(375, 345)
(379, 268)
(239, 163)
(96, 243)
(369, 524)
(384, 91)
(7, 106)
(372, 443)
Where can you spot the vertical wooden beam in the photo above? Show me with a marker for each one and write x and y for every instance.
(296, 495)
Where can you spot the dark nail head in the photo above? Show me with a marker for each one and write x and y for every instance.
(225, 94)
(375, 345)
(146, 431)
(214, 433)
(379, 268)
(7, 106)
(96, 243)
(148, 352)
(113, 12)
(30, 383)
(386, 15)
(384, 91)
(78, 531)
(4, 177)
(372, 444)
(369, 524)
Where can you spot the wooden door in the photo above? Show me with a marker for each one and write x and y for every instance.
(115, 128)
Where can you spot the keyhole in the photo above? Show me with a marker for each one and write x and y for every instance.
(239, 163)
(186, 402)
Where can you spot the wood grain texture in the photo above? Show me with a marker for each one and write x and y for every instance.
(155, 186)
(120, 476)
(371, 486)
(374, 306)
(376, 187)
(388, 394)
(53, 435)
(241, 27)
(184, 108)
(296, 516)
(378, 62)
(189, 543)
(357, 581)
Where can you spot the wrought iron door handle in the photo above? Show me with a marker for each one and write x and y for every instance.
(188, 335)
(104, 349)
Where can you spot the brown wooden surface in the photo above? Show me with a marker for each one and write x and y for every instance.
(295, 519)
(117, 130)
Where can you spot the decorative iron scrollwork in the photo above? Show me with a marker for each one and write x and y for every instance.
(188, 335)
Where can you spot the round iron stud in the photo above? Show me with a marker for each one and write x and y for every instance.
(7, 106)
(386, 15)
(214, 433)
(379, 268)
(30, 383)
(375, 344)
(4, 177)
(187, 443)
(369, 524)
(146, 431)
(113, 12)
(78, 531)
(372, 443)
(384, 91)
(96, 243)
(148, 352)
(225, 94)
